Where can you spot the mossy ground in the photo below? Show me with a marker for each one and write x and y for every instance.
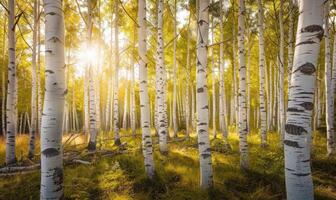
(177, 174)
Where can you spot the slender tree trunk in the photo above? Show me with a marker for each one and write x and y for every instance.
(242, 122)
(290, 41)
(3, 106)
(213, 81)
(125, 104)
(161, 84)
(133, 111)
(174, 74)
(281, 65)
(328, 84)
(11, 87)
(115, 84)
(144, 98)
(299, 184)
(222, 102)
(34, 86)
(39, 87)
(92, 109)
(202, 96)
(55, 91)
(187, 99)
(263, 127)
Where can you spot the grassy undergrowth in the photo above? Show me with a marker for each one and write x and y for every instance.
(177, 174)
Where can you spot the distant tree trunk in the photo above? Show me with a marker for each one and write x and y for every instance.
(328, 84)
(144, 98)
(187, 98)
(34, 86)
(242, 122)
(174, 75)
(282, 116)
(299, 184)
(222, 97)
(115, 83)
(235, 116)
(86, 102)
(133, 111)
(202, 96)
(55, 91)
(213, 80)
(290, 41)
(39, 85)
(3, 86)
(11, 87)
(161, 84)
(125, 103)
(263, 121)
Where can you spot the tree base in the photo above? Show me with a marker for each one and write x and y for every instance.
(117, 142)
(92, 146)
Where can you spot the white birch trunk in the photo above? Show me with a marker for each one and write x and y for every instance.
(55, 91)
(263, 127)
(11, 87)
(282, 116)
(299, 184)
(115, 83)
(202, 96)
(329, 91)
(144, 98)
(242, 120)
(161, 84)
(174, 74)
(34, 86)
(222, 102)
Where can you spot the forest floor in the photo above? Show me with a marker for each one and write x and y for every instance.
(122, 176)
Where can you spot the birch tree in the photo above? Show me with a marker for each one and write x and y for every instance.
(144, 98)
(222, 104)
(299, 184)
(242, 120)
(281, 75)
(115, 82)
(202, 106)
(263, 127)
(174, 74)
(55, 91)
(329, 91)
(11, 87)
(34, 85)
(161, 84)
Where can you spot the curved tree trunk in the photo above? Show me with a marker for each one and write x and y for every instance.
(299, 184)
(242, 120)
(55, 91)
(161, 84)
(11, 88)
(144, 98)
(202, 96)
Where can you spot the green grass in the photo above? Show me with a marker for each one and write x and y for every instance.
(177, 174)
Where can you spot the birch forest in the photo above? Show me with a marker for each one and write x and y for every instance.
(168, 99)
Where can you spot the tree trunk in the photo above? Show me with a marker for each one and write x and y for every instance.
(282, 116)
(242, 121)
(133, 111)
(263, 127)
(222, 102)
(187, 100)
(115, 83)
(202, 96)
(161, 84)
(299, 184)
(290, 41)
(11, 87)
(329, 91)
(34, 89)
(144, 98)
(174, 75)
(55, 91)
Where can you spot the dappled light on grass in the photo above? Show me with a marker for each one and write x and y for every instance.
(177, 174)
